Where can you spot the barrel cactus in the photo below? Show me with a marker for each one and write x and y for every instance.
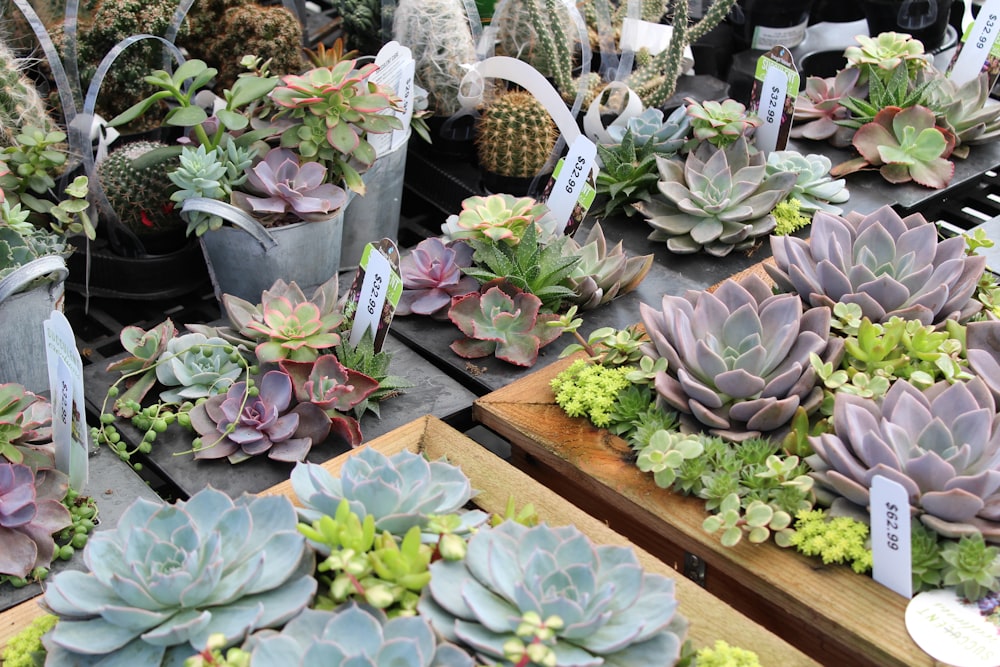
(353, 636)
(169, 576)
(738, 359)
(140, 197)
(515, 135)
(718, 200)
(548, 596)
(941, 443)
(888, 265)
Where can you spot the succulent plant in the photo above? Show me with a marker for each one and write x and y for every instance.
(628, 174)
(738, 358)
(819, 105)
(31, 510)
(295, 331)
(353, 635)
(25, 427)
(329, 387)
(964, 111)
(398, 492)
(168, 576)
(602, 274)
(880, 55)
(888, 265)
(502, 320)
(814, 188)
(667, 136)
(210, 173)
(892, 89)
(432, 275)
(499, 217)
(515, 135)
(905, 145)
(291, 188)
(549, 596)
(720, 123)
(145, 348)
(239, 425)
(941, 443)
(718, 200)
(198, 367)
(332, 110)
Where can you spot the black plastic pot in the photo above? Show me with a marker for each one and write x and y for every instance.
(146, 277)
(926, 20)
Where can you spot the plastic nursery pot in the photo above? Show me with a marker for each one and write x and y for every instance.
(27, 299)
(763, 24)
(376, 215)
(926, 20)
(519, 186)
(450, 138)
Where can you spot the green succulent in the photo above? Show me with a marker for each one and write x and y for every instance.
(721, 654)
(839, 540)
(25, 648)
(668, 136)
(718, 200)
(209, 173)
(964, 110)
(896, 89)
(601, 274)
(500, 217)
(757, 520)
(364, 359)
(295, 331)
(589, 390)
(720, 123)
(198, 367)
(971, 566)
(628, 174)
(665, 452)
(882, 54)
(925, 556)
(814, 189)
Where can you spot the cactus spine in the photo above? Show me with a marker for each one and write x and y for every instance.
(515, 135)
(20, 103)
(140, 197)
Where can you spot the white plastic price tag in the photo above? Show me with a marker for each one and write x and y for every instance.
(572, 179)
(372, 296)
(890, 517)
(772, 101)
(69, 430)
(976, 49)
(395, 71)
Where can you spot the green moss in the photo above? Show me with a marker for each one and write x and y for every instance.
(789, 218)
(590, 390)
(25, 648)
(839, 540)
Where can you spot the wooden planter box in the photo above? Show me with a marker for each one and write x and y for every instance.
(709, 617)
(829, 612)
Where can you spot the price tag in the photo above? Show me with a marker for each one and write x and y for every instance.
(69, 430)
(395, 72)
(890, 518)
(776, 85)
(373, 303)
(977, 46)
(571, 182)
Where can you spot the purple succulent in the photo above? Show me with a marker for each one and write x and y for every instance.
(261, 424)
(819, 104)
(331, 388)
(290, 187)
(942, 444)
(30, 512)
(503, 320)
(432, 275)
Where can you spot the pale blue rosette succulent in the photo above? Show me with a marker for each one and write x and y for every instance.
(668, 135)
(195, 366)
(815, 189)
(169, 576)
(551, 596)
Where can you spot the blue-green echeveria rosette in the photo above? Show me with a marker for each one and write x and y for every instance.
(738, 358)
(941, 443)
(353, 636)
(399, 492)
(886, 264)
(168, 576)
(196, 366)
(586, 604)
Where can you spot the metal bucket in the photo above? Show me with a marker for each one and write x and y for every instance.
(245, 264)
(22, 314)
(376, 215)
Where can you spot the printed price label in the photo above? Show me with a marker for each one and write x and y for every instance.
(69, 429)
(977, 44)
(954, 630)
(776, 84)
(374, 302)
(890, 518)
(772, 102)
(395, 71)
(572, 180)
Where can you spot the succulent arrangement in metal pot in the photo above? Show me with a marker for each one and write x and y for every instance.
(718, 200)
(886, 264)
(549, 596)
(738, 359)
(168, 576)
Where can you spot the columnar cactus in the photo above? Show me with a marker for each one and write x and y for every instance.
(20, 103)
(515, 135)
(539, 32)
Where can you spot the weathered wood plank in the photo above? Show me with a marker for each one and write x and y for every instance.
(831, 613)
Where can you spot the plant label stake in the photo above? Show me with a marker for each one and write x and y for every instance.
(570, 191)
(775, 87)
(978, 47)
(375, 292)
(69, 430)
(395, 71)
(890, 518)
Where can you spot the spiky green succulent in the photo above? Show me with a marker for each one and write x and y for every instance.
(628, 174)
(168, 576)
(886, 264)
(548, 596)
(738, 358)
(602, 273)
(718, 200)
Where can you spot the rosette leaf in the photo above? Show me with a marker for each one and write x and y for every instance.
(738, 358)
(552, 596)
(820, 109)
(942, 444)
(602, 273)
(432, 275)
(296, 331)
(31, 510)
(500, 217)
(25, 427)
(888, 265)
(814, 188)
(286, 186)
(169, 576)
(667, 136)
(198, 367)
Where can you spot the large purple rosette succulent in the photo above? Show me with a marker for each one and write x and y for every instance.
(942, 444)
(262, 424)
